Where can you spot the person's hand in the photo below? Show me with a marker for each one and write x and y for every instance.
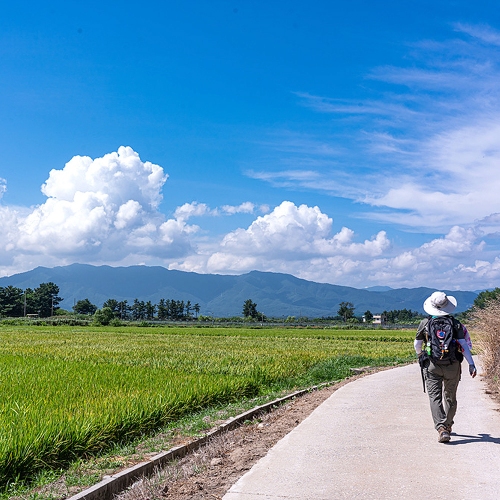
(472, 370)
(423, 360)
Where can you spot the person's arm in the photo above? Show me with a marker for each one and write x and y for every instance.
(468, 357)
(419, 338)
(417, 344)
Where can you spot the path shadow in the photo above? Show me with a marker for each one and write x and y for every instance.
(480, 438)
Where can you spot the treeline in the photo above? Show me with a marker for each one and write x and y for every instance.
(164, 310)
(42, 301)
(396, 316)
(404, 316)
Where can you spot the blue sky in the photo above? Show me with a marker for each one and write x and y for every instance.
(355, 143)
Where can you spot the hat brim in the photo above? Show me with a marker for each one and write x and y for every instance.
(447, 309)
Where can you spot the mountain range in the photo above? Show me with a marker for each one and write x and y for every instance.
(275, 294)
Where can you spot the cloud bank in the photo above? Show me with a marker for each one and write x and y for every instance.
(105, 211)
(299, 240)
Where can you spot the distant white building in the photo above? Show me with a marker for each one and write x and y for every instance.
(378, 319)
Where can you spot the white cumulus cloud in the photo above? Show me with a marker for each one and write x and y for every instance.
(299, 231)
(193, 209)
(97, 210)
(196, 209)
(293, 239)
(245, 208)
(300, 240)
(119, 176)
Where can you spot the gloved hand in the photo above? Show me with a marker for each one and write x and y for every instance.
(472, 370)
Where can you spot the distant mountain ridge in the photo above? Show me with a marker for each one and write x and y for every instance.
(378, 288)
(276, 294)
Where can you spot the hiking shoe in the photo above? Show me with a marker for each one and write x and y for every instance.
(444, 435)
(448, 428)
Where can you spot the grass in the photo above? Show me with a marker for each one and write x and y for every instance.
(70, 392)
(485, 327)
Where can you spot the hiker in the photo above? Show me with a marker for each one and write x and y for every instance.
(440, 359)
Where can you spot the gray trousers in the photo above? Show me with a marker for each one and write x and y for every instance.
(442, 383)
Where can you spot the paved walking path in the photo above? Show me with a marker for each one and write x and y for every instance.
(374, 439)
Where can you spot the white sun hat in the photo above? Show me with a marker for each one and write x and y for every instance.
(440, 304)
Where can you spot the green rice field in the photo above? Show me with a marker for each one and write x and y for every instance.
(68, 392)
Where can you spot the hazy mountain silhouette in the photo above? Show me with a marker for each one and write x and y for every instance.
(276, 294)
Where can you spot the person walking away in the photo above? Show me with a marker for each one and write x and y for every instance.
(440, 359)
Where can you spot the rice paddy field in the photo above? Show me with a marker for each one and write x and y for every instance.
(69, 392)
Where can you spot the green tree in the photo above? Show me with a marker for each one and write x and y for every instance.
(346, 310)
(11, 301)
(114, 305)
(150, 310)
(47, 299)
(188, 309)
(103, 316)
(480, 302)
(388, 316)
(162, 310)
(84, 306)
(168, 309)
(250, 309)
(138, 310)
(196, 308)
(368, 316)
(124, 309)
(180, 309)
(30, 301)
(175, 309)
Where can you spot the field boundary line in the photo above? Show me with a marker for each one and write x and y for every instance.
(110, 486)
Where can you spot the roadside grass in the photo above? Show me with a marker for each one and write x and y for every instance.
(80, 403)
(83, 473)
(485, 326)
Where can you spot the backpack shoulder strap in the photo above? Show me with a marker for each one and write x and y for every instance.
(457, 325)
(426, 329)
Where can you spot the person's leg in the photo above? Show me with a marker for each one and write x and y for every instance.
(450, 384)
(434, 382)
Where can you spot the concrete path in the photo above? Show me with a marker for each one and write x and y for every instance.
(374, 438)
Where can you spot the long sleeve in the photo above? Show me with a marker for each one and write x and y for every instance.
(417, 344)
(466, 351)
